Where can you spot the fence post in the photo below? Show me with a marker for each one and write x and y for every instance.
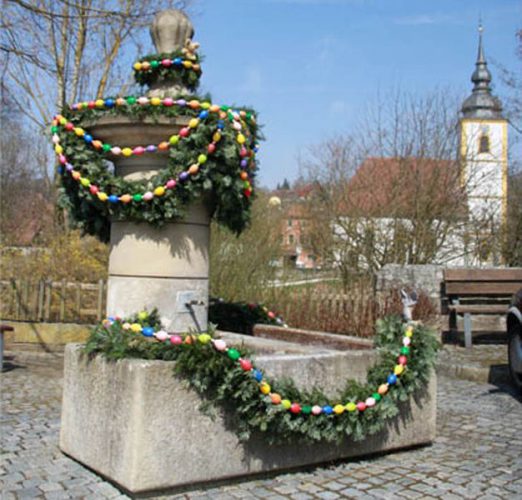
(18, 301)
(100, 300)
(78, 300)
(48, 292)
(62, 301)
(41, 292)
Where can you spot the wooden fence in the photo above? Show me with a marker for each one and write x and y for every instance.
(52, 301)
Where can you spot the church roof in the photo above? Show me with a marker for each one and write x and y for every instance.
(405, 188)
(481, 103)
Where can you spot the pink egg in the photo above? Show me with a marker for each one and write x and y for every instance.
(166, 62)
(176, 340)
(220, 345)
(116, 150)
(171, 183)
(56, 139)
(138, 150)
(168, 101)
(161, 335)
(406, 341)
(237, 126)
(361, 406)
(148, 196)
(316, 410)
(63, 159)
(143, 101)
(370, 402)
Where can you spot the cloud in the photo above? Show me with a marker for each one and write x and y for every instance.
(338, 106)
(423, 19)
(252, 81)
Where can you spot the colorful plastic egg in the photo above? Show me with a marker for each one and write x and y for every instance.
(245, 364)
(137, 197)
(286, 404)
(351, 406)
(406, 341)
(316, 410)
(173, 140)
(135, 327)
(143, 101)
(211, 148)
(193, 123)
(234, 354)
(220, 345)
(361, 406)
(163, 146)
(264, 387)
(240, 139)
(147, 331)
(193, 169)
(403, 360)
(176, 340)
(295, 408)
(166, 62)
(100, 103)
(148, 196)
(171, 183)
(159, 191)
(155, 101)
(202, 159)
(383, 389)
(204, 338)
(161, 335)
(398, 369)
(125, 198)
(113, 198)
(275, 398)
(327, 410)
(168, 101)
(137, 66)
(184, 132)
(75, 175)
(93, 189)
(126, 152)
(258, 375)
(370, 402)
(138, 150)
(392, 379)
(338, 409)
(116, 151)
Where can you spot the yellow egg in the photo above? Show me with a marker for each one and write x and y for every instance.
(102, 196)
(137, 66)
(126, 151)
(338, 409)
(241, 138)
(409, 332)
(99, 103)
(204, 338)
(58, 149)
(193, 123)
(205, 105)
(216, 137)
(398, 369)
(159, 191)
(79, 131)
(85, 182)
(155, 101)
(135, 327)
(187, 64)
(351, 406)
(286, 404)
(264, 388)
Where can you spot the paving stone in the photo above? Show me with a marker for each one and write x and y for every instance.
(476, 453)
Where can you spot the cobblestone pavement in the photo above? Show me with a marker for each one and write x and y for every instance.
(477, 454)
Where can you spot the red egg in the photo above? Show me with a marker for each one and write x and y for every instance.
(246, 364)
(211, 148)
(361, 406)
(93, 189)
(295, 408)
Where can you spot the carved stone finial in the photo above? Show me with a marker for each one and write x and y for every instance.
(170, 30)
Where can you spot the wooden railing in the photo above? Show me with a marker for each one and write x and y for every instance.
(52, 301)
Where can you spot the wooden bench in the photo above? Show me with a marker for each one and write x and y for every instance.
(479, 291)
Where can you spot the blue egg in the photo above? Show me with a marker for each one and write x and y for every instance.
(111, 318)
(113, 198)
(109, 103)
(327, 409)
(258, 375)
(220, 124)
(177, 61)
(60, 170)
(147, 331)
(87, 138)
(203, 114)
(392, 379)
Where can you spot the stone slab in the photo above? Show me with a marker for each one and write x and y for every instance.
(45, 334)
(176, 250)
(127, 295)
(136, 424)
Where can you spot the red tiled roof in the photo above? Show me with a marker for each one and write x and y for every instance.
(394, 187)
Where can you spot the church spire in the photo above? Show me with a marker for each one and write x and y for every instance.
(481, 103)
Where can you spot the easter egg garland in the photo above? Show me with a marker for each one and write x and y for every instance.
(213, 156)
(228, 377)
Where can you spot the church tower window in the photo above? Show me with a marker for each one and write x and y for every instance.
(484, 144)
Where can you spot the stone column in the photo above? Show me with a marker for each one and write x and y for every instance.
(164, 267)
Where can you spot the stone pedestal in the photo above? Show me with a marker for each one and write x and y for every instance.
(149, 267)
(134, 423)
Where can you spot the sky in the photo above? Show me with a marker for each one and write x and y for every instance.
(311, 67)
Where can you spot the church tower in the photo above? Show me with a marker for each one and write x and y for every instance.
(484, 144)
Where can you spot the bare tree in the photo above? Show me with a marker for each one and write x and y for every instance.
(393, 191)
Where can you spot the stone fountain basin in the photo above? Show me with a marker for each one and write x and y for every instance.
(134, 423)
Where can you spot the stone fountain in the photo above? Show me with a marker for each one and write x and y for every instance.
(165, 267)
(135, 424)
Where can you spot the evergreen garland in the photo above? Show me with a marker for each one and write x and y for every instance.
(218, 183)
(175, 74)
(221, 381)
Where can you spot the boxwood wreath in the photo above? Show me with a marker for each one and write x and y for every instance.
(226, 377)
(212, 157)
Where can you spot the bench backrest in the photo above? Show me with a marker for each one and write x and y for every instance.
(482, 282)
